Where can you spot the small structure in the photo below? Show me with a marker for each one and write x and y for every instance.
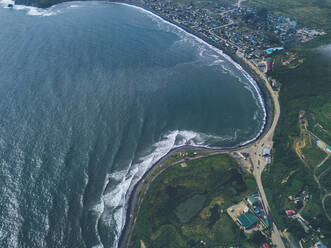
(247, 220)
(268, 160)
(328, 148)
(269, 64)
(265, 245)
(319, 244)
(290, 213)
(272, 50)
(266, 152)
(251, 200)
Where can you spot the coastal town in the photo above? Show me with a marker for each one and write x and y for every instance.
(250, 33)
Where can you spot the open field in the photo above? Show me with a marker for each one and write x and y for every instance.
(313, 155)
(323, 167)
(328, 205)
(325, 179)
(185, 205)
(320, 122)
(307, 12)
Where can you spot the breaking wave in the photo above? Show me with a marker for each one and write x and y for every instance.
(118, 197)
(220, 53)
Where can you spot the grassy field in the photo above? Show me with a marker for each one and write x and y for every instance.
(326, 179)
(186, 205)
(326, 165)
(320, 122)
(313, 154)
(314, 13)
(328, 205)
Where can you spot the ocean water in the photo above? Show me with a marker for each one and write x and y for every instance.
(91, 95)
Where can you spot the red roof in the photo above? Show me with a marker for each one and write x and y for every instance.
(265, 245)
(290, 212)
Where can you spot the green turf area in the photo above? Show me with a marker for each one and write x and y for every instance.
(325, 179)
(186, 205)
(188, 209)
(328, 205)
(323, 167)
(313, 154)
(320, 122)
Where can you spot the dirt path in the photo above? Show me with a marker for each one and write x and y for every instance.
(239, 3)
(323, 204)
(298, 146)
(323, 192)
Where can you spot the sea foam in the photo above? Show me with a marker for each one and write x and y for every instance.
(30, 10)
(119, 196)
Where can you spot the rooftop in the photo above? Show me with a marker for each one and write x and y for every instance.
(247, 220)
(266, 152)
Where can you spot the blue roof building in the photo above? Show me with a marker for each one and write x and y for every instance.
(247, 220)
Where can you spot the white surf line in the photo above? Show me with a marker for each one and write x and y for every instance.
(227, 57)
(31, 10)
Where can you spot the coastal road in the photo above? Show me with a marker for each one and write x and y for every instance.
(255, 150)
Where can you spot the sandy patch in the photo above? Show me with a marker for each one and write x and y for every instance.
(183, 165)
(142, 245)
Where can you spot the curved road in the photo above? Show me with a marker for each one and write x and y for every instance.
(254, 149)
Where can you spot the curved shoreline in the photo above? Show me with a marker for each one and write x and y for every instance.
(261, 90)
(267, 104)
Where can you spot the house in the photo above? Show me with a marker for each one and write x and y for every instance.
(319, 244)
(266, 152)
(290, 213)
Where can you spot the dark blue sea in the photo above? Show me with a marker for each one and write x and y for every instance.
(91, 95)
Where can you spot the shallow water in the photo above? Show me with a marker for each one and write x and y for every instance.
(91, 95)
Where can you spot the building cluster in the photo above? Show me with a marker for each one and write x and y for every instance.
(255, 32)
(250, 214)
(297, 199)
(248, 32)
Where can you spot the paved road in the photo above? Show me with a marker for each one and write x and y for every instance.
(255, 151)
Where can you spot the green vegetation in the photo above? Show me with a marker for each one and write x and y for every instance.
(313, 154)
(328, 205)
(188, 209)
(307, 12)
(304, 87)
(320, 122)
(325, 179)
(185, 205)
(323, 167)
